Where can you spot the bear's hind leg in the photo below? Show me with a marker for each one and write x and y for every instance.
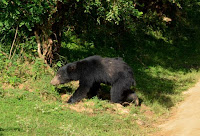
(121, 92)
(131, 97)
(117, 91)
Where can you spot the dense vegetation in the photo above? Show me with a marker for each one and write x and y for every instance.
(159, 39)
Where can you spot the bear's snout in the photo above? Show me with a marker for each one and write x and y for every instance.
(55, 81)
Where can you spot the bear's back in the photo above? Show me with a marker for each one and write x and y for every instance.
(107, 65)
(107, 70)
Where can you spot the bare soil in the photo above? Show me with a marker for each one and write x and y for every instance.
(185, 119)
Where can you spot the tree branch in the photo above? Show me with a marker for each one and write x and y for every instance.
(5, 54)
(39, 44)
(13, 42)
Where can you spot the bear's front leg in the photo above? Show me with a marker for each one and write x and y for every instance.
(79, 94)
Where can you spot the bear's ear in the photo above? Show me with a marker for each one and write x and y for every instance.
(71, 68)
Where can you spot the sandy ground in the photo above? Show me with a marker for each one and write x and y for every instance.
(185, 120)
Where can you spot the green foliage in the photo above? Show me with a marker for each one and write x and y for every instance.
(8, 70)
(47, 19)
(25, 14)
(114, 11)
(38, 69)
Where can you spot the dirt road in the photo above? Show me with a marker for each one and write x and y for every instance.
(186, 118)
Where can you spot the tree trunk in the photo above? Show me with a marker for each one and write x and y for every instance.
(48, 36)
(39, 46)
(48, 46)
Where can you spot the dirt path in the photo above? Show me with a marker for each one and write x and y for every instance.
(186, 118)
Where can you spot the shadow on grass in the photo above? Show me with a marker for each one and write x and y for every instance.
(8, 129)
(156, 89)
(64, 90)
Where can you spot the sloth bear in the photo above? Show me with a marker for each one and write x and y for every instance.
(93, 71)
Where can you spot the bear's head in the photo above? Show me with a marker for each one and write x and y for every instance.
(65, 74)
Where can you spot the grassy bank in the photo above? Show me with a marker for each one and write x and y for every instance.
(31, 106)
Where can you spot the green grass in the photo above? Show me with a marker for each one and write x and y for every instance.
(25, 113)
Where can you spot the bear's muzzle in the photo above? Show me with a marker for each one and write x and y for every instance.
(55, 81)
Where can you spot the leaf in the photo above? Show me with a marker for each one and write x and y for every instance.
(6, 23)
(17, 12)
(31, 10)
(140, 13)
(28, 26)
(59, 64)
(1, 24)
(21, 24)
(5, 2)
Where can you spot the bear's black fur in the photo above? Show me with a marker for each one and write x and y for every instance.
(94, 70)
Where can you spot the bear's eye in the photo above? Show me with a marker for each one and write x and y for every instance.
(71, 68)
(58, 75)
